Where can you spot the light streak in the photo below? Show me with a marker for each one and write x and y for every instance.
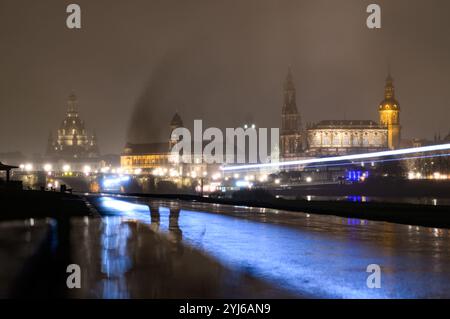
(404, 151)
(382, 161)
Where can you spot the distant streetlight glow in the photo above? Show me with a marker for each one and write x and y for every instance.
(86, 169)
(104, 169)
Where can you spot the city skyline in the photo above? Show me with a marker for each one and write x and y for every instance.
(195, 155)
(175, 71)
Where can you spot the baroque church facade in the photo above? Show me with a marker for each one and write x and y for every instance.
(338, 137)
(72, 141)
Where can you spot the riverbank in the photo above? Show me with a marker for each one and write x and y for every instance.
(408, 214)
(390, 188)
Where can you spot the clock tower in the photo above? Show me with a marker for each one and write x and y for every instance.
(389, 111)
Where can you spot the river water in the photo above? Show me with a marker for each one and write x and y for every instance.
(308, 255)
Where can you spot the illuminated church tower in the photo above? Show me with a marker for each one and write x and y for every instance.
(290, 137)
(390, 114)
(72, 140)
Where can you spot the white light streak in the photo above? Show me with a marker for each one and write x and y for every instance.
(413, 150)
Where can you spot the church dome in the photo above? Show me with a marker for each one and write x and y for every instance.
(72, 123)
(72, 140)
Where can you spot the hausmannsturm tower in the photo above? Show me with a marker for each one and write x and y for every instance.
(390, 114)
(290, 137)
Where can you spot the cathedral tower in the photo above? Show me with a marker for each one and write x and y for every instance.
(290, 137)
(175, 123)
(390, 114)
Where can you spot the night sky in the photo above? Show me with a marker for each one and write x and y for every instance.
(134, 63)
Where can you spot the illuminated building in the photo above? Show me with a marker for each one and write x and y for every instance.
(346, 137)
(158, 160)
(291, 145)
(341, 137)
(390, 114)
(72, 141)
(149, 157)
(429, 166)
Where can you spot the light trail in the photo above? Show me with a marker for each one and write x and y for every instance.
(404, 151)
(382, 161)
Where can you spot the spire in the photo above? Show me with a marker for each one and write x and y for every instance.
(289, 105)
(291, 120)
(289, 82)
(72, 105)
(389, 90)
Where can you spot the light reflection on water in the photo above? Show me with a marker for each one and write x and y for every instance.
(328, 260)
(115, 259)
(295, 261)
(375, 199)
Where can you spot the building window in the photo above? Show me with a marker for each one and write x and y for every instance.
(346, 140)
(366, 140)
(326, 140)
(337, 139)
(356, 140)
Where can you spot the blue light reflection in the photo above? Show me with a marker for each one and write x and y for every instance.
(326, 259)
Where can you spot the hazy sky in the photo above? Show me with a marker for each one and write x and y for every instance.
(134, 63)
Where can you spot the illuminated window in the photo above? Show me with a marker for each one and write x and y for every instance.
(356, 140)
(346, 140)
(326, 140)
(366, 140)
(336, 139)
